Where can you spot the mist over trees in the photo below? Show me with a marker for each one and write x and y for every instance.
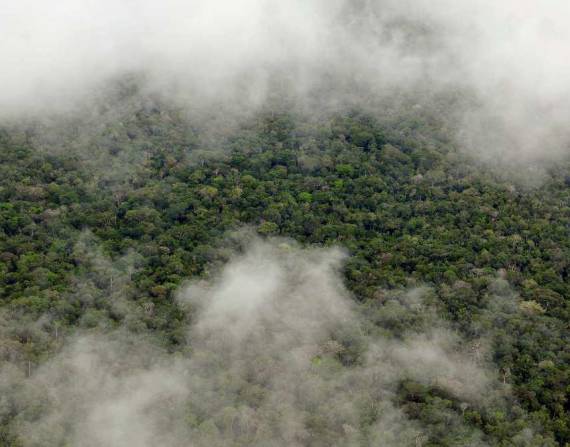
(447, 262)
(508, 59)
(257, 223)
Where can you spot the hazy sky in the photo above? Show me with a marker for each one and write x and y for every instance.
(512, 53)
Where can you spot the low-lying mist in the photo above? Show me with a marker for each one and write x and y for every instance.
(279, 355)
(507, 59)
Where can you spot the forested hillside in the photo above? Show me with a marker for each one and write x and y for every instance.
(125, 209)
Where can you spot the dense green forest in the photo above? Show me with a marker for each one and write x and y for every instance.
(129, 206)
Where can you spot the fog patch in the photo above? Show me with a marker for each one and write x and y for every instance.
(507, 59)
(279, 354)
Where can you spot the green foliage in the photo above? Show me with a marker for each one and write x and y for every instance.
(406, 206)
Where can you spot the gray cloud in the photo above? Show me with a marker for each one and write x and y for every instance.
(280, 355)
(510, 55)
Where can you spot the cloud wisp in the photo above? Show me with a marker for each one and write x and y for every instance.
(510, 56)
(280, 355)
